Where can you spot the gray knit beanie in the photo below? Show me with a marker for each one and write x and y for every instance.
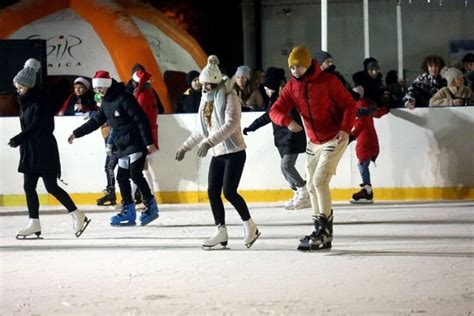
(27, 76)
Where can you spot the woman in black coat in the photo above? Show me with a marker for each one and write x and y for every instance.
(39, 155)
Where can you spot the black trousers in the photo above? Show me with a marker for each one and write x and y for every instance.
(30, 181)
(134, 172)
(111, 162)
(224, 175)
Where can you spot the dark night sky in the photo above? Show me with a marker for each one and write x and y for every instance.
(215, 24)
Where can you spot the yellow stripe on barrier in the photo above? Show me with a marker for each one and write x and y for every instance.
(381, 194)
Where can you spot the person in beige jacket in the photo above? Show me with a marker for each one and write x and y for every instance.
(455, 94)
(219, 130)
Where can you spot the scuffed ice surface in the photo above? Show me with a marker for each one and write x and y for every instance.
(395, 259)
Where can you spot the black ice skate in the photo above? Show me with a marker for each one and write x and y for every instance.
(219, 238)
(321, 237)
(364, 196)
(109, 197)
(32, 228)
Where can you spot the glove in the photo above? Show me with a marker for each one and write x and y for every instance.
(14, 141)
(180, 154)
(202, 149)
(246, 130)
(108, 149)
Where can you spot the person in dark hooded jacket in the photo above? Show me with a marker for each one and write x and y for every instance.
(39, 153)
(189, 101)
(133, 141)
(289, 144)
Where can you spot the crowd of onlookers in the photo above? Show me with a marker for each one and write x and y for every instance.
(437, 85)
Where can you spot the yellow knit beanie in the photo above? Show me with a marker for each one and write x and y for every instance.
(300, 56)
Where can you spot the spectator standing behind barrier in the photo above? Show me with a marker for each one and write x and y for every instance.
(190, 99)
(328, 112)
(250, 99)
(468, 69)
(427, 84)
(289, 144)
(39, 153)
(371, 80)
(456, 93)
(218, 129)
(367, 147)
(325, 60)
(133, 140)
(397, 91)
(80, 101)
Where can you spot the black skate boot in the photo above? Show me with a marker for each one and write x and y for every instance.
(321, 237)
(364, 196)
(109, 198)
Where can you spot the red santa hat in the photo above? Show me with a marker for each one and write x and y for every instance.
(101, 79)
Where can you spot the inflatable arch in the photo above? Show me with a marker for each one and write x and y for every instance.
(84, 36)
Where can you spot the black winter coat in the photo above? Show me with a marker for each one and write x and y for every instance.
(286, 141)
(123, 113)
(373, 88)
(38, 147)
(189, 101)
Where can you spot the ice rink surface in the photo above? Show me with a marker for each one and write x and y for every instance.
(387, 259)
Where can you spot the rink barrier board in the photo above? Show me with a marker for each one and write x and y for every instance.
(381, 194)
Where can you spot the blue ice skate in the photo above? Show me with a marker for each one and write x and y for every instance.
(126, 217)
(151, 212)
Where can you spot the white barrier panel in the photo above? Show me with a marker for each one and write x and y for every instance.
(423, 148)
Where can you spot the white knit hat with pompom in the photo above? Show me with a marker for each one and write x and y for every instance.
(27, 76)
(211, 73)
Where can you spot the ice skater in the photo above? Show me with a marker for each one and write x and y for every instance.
(367, 147)
(39, 153)
(289, 144)
(328, 112)
(133, 141)
(219, 129)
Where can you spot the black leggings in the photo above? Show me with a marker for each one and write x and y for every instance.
(50, 182)
(224, 174)
(111, 162)
(135, 172)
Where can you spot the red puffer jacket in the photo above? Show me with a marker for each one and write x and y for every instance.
(367, 147)
(147, 100)
(324, 104)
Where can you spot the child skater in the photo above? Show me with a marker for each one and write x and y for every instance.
(133, 141)
(219, 129)
(367, 147)
(289, 144)
(39, 153)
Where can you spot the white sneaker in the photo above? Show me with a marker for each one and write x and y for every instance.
(302, 199)
(290, 204)
(251, 233)
(79, 222)
(33, 227)
(220, 237)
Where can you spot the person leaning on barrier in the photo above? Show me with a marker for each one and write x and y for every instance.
(456, 93)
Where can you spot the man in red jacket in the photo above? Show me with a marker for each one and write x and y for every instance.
(328, 111)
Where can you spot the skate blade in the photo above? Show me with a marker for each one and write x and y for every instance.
(150, 220)
(362, 201)
(256, 237)
(86, 223)
(29, 237)
(211, 248)
(124, 224)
